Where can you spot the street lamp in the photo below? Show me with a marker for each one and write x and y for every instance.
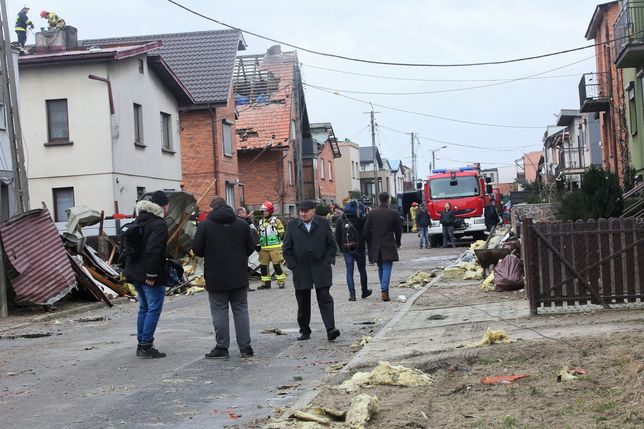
(434, 157)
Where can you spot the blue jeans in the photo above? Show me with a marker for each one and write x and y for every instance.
(150, 306)
(423, 237)
(360, 258)
(384, 274)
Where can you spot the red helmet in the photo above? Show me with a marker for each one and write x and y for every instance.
(43, 13)
(414, 204)
(268, 206)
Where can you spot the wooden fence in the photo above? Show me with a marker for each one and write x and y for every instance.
(584, 262)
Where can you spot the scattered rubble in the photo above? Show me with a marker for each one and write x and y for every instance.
(276, 331)
(491, 337)
(386, 374)
(418, 279)
(362, 341)
(361, 409)
(503, 379)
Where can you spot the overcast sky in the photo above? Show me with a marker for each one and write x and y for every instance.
(417, 31)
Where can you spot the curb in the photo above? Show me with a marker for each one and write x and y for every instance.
(310, 395)
(70, 312)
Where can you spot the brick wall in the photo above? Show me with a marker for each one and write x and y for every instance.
(267, 178)
(198, 157)
(326, 184)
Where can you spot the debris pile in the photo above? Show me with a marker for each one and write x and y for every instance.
(386, 374)
(492, 337)
(418, 279)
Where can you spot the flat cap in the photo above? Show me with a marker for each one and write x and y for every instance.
(306, 205)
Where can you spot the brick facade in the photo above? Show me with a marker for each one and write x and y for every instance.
(198, 156)
(266, 178)
(326, 182)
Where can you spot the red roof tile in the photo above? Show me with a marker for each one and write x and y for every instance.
(265, 119)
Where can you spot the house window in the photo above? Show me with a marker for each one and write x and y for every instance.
(63, 200)
(138, 124)
(57, 121)
(228, 138)
(290, 172)
(141, 67)
(3, 117)
(322, 168)
(632, 105)
(166, 132)
(230, 194)
(140, 190)
(330, 170)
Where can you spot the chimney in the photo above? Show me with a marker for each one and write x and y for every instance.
(274, 50)
(56, 40)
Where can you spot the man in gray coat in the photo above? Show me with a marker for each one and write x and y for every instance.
(309, 251)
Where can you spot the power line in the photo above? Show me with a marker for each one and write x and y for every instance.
(387, 63)
(460, 121)
(438, 80)
(440, 91)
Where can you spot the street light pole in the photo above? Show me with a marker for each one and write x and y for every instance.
(434, 157)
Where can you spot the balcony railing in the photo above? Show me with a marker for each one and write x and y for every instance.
(628, 33)
(593, 93)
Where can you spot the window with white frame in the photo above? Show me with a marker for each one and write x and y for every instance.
(63, 200)
(290, 172)
(3, 117)
(322, 168)
(57, 121)
(230, 194)
(330, 170)
(138, 124)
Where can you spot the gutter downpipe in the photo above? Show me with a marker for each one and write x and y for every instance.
(213, 131)
(109, 90)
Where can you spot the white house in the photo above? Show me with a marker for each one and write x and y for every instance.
(101, 126)
(347, 169)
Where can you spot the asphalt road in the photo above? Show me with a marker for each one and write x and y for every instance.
(85, 374)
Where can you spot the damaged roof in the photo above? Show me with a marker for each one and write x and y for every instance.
(40, 271)
(203, 60)
(264, 90)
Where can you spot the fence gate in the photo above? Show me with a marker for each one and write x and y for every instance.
(573, 264)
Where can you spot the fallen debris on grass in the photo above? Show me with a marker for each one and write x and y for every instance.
(491, 337)
(503, 379)
(569, 374)
(386, 374)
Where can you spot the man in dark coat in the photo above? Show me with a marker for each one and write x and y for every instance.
(349, 234)
(225, 241)
(423, 221)
(448, 220)
(491, 214)
(148, 271)
(309, 250)
(383, 231)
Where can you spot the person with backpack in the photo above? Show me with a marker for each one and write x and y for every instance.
(146, 267)
(491, 214)
(349, 236)
(423, 221)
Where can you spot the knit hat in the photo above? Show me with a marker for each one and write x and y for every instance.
(159, 198)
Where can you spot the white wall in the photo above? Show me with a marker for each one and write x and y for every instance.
(102, 164)
(347, 169)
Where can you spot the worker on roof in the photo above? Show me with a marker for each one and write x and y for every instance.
(53, 20)
(22, 22)
(271, 232)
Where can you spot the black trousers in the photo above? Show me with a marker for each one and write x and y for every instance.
(325, 302)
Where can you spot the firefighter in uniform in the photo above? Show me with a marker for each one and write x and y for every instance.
(271, 232)
(412, 213)
(22, 22)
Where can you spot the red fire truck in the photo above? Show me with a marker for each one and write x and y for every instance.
(467, 191)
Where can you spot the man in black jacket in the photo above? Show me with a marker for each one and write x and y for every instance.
(448, 219)
(226, 241)
(423, 221)
(491, 214)
(350, 238)
(309, 250)
(148, 271)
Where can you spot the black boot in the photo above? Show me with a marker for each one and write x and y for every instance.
(352, 296)
(149, 352)
(366, 292)
(266, 285)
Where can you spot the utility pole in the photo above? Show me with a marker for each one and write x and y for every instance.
(413, 160)
(374, 158)
(13, 116)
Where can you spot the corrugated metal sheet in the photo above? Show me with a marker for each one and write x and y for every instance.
(41, 272)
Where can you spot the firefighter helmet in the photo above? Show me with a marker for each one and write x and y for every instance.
(268, 206)
(43, 14)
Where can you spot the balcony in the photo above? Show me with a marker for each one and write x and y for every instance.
(593, 93)
(628, 33)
